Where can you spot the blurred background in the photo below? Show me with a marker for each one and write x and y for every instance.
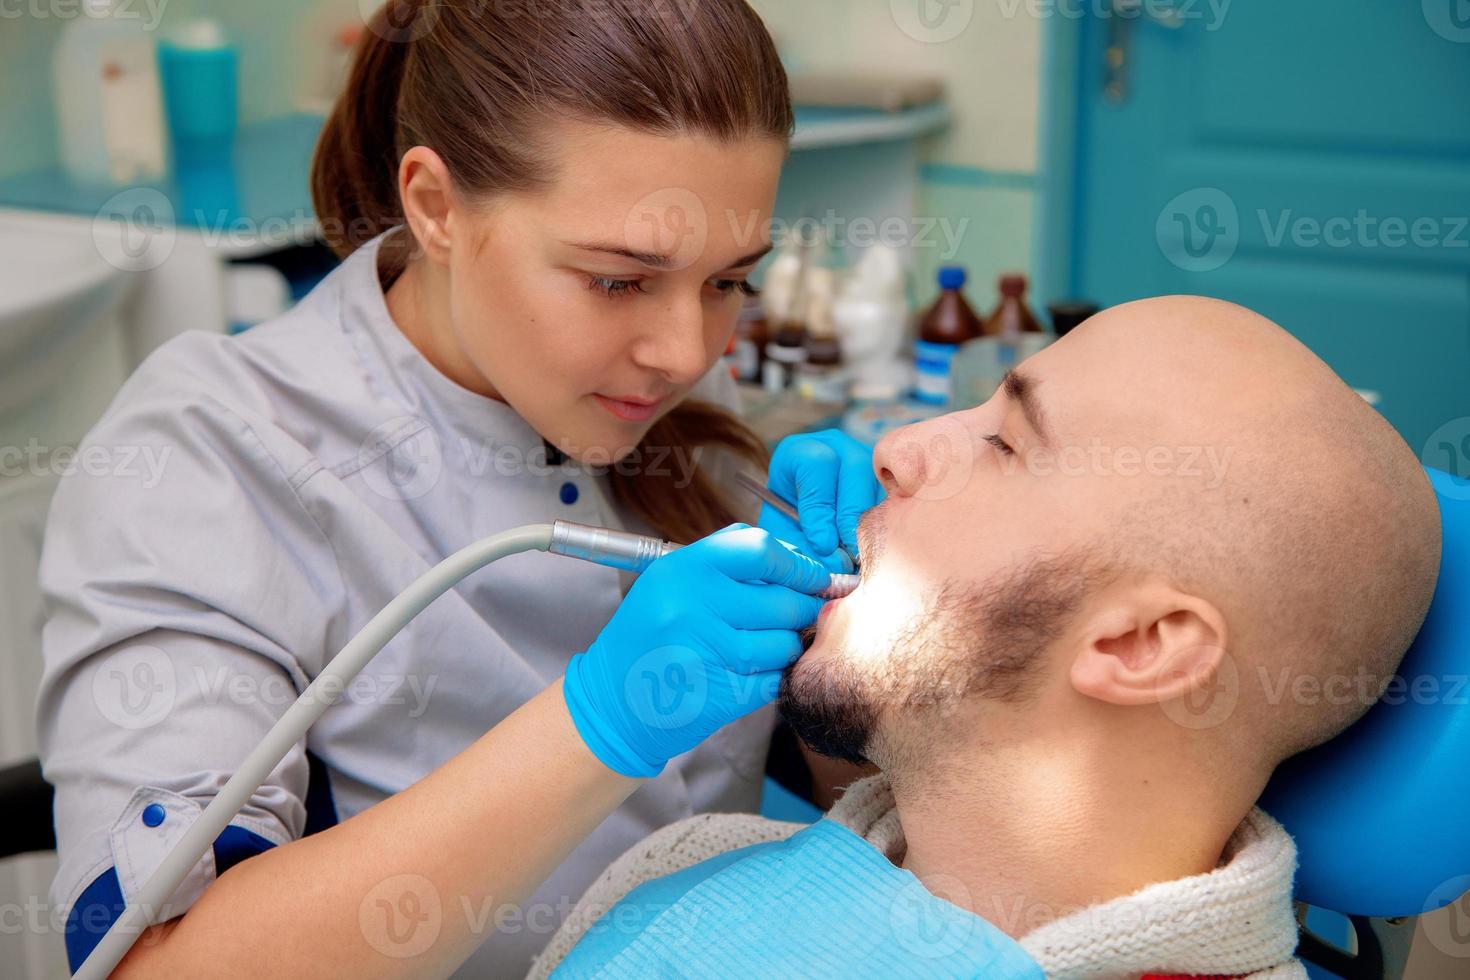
(969, 179)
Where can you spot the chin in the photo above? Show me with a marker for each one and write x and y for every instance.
(827, 703)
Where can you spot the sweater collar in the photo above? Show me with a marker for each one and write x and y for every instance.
(1232, 921)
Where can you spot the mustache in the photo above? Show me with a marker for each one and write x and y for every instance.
(872, 537)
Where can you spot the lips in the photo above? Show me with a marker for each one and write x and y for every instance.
(630, 409)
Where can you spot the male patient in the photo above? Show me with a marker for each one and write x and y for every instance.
(1073, 657)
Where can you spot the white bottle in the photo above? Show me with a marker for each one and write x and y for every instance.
(109, 106)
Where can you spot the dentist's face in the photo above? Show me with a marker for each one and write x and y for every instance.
(593, 303)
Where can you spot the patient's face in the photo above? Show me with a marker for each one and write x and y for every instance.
(996, 523)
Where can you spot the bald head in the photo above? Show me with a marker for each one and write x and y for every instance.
(1177, 491)
(1319, 535)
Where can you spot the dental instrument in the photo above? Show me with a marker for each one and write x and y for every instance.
(789, 512)
(599, 545)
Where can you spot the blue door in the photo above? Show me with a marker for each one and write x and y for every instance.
(1308, 159)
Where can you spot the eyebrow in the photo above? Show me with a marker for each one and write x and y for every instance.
(1021, 388)
(656, 260)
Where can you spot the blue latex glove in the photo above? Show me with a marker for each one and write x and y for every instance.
(829, 477)
(700, 641)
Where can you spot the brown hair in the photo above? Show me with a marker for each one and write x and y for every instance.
(473, 79)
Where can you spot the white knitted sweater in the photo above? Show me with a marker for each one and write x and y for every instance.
(1235, 921)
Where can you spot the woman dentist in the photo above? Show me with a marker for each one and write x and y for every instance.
(549, 212)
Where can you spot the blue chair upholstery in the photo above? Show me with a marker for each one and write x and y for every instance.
(1381, 814)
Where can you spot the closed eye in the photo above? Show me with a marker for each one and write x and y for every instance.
(730, 285)
(614, 288)
(1000, 445)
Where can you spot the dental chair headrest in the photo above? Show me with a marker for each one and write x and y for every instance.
(1381, 814)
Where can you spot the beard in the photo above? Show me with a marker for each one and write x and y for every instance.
(984, 642)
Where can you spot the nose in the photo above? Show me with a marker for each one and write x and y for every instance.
(898, 460)
(928, 459)
(674, 345)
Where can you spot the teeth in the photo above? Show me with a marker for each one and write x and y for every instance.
(841, 585)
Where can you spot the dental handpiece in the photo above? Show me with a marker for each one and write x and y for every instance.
(635, 552)
(782, 507)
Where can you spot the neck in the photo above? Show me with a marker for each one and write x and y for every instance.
(420, 309)
(1043, 829)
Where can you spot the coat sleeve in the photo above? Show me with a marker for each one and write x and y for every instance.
(188, 596)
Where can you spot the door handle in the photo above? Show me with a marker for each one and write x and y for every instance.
(1122, 15)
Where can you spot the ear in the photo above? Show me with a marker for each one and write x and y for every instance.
(1148, 643)
(429, 205)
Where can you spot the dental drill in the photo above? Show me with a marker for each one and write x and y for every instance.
(599, 545)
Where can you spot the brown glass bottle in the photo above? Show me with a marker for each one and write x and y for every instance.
(949, 323)
(1011, 315)
(950, 320)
